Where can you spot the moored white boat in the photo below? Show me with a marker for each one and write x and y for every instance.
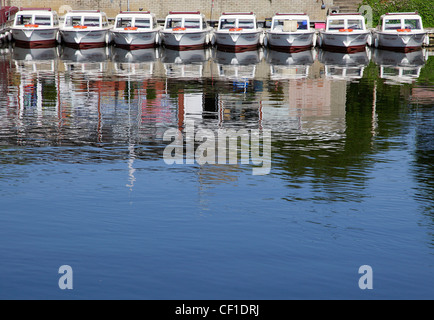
(402, 31)
(344, 32)
(136, 30)
(238, 32)
(35, 27)
(185, 31)
(290, 32)
(85, 29)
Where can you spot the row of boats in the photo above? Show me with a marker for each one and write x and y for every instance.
(236, 31)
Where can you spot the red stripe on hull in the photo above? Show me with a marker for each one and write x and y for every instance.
(400, 49)
(35, 44)
(290, 48)
(135, 46)
(228, 48)
(186, 48)
(87, 45)
(350, 49)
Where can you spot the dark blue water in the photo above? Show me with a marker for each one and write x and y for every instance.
(83, 180)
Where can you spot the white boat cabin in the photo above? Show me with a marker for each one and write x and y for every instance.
(181, 21)
(36, 17)
(290, 22)
(136, 20)
(240, 21)
(340, 22)
(401, 21)
(86, 19)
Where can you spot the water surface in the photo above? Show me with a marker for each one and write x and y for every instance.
(84, 183)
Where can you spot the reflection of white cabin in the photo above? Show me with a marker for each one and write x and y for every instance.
(280, 72)
(399, 67)
(134, 63)
(32, 60)
(343, 73)
(185, 64)
(90, 62)
(399, 74)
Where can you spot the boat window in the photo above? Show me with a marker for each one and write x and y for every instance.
(355, 24)
(55, 20)
(246, 23)
(277, 24)
(23, 20)
(104, 21)
(192, 23)
(336, 24)
(91, 21)
(72, 21)
(43, 20)
(392, 24)
(124, 22)
(173, 23)
(412, 24)
(143, 23)
(302, 25)
(227, 24)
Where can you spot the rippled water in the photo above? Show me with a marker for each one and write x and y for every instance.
(84, 183)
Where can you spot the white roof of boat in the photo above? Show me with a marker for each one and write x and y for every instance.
(278, 14)
(46, 11)
(185, 13)
(401, 15)
(239, 14)
(135, 13)
(354, 15)
(85, 13)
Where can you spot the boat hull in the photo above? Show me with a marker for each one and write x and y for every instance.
(185, 40)
(290, 41)
(135, 39)
(406, 41)
(344, 41)
(85, 38)
(237, 41)
(35, 37)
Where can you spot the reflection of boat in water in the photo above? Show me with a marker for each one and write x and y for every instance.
(134, 56)
(184, 63)
(84, 55)
(36, 59)
(399, 67)
(236, 65)
(134, 62)
(290, 65)
(346, 66)
(90, 61)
